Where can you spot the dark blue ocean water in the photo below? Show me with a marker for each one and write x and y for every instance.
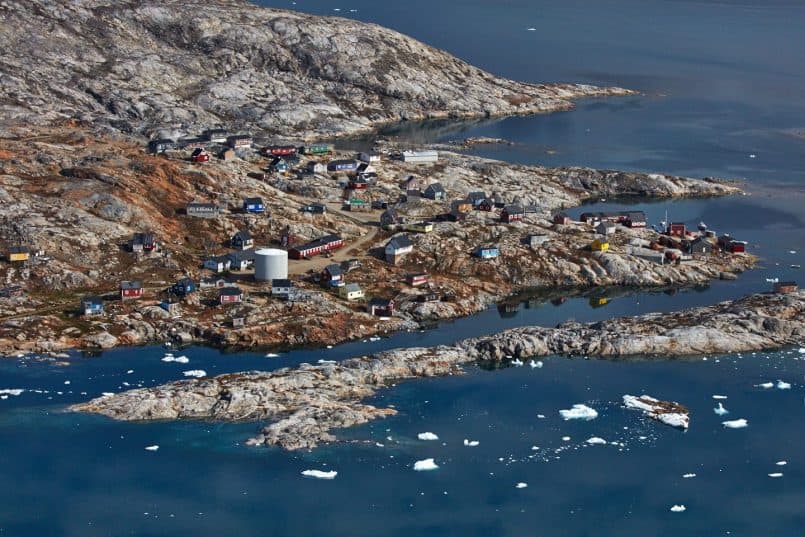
(721, 81)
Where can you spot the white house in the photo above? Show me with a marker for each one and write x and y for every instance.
(218, 264)
(351, 291)
(420, 157)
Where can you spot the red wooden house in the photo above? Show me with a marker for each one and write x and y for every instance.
(230, 295)
(316, 247)
(512, 213)
(677, 229)
(199, 155)
(415, 280)
(131, 290)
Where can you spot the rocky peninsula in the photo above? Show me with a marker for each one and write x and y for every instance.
(305, 404)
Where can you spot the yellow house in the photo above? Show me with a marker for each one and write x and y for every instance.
(18, 253)
(599, 245)
(421, 227)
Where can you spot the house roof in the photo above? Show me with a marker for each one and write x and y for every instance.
(201, 206)
(18, 250)
(321, 241)
(352, 287)
(230, 291)
(253, 201)
(399, 242)
(242, 235)
(513, 209)
(241, 255)
(197, 151)
(476, 196)
(381, 302)
(435, 187)
(126, 286)
(333, 269)
(185, 282)
(93, 300)
(218, 259)
(281, 283)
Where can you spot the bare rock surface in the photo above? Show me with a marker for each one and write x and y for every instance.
(172, 67)
(305, 403)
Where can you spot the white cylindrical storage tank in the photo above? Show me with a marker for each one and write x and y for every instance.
(270, 264)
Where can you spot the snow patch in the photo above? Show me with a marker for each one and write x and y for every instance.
(425, 465)
(579, 412)
(320, 474)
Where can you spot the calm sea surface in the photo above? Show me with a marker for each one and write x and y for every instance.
(721, 81)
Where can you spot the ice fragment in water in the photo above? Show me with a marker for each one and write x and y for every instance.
(688, 476)
(735, 424)
(320, 474)
(197, 373)
(720, 410)
(425, 465)
(130, 371)
(535, 365)
(594, 440)
(666, 412)
(521, 485)
(471, 443)
(566, 439)
(781, 463)
(678, 508)
(765, 385)
(182, 360)
(152, 448)
(11, 391)
(272, 355)
(776, 474)
(427, 436)
(579, 412)
(719, 397)
(781, 385)
(323, 362)
(517, 362)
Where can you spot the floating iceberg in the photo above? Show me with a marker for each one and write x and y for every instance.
(535, 365)
(688, 476)
(152, 448)
(322, 361)
(776, 474)
(517, 362)
(471, 443)
(782, 385)
(272, 355)
(182, 360)
(425, 465)
(765, 385)
(719, 397)
(735, 424)
(678, 508)
(427, 436)
(579, 412)
(11, 391)
(197, 373)
(596, 441)
(669, 413)
(521, 485)
(720, 410)
(320, 474)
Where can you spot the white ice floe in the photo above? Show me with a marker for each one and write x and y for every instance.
(130, 371)
(668, 413)
(595, 440)
(427, 436)
(535, 365)
(801, 350)
(565, 439)
(765, 385)
(182, 360)
(517, 362)
(374, 338)
(532, 29)
(719, 397)
(735, 424)
(107, 394)
(471, 443)
(678, 508)
(720, 410)
(152, 448)
(781, 463)
(688, 476)
(322, 361)
(792, 251)
(776, 474)
(540, 416)
(425, 465)
(67, 382)
(11, 391)
(320, 474)
(772, 280)
(521, 485)
(579, 412)
(196, 373)
(782, 385)
(752, 156)
(272, 355)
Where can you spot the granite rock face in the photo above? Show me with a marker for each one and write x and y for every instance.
(173, 67)
(304, 404)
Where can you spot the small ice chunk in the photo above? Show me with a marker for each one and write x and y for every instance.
(782, 385)
(565, 439)
(532, 29)
(735, 424)
(168, 358)
(521, 485)
(720, 410)
(678, 508)
(471, 443)
(107, 394)
(196, 373)
(320, 474)
(781, 463)
(427, 436)
(66, 382)
(272, 355)
(540, 416)
(322, 361)
(579, 412)
(776, 474)
(719, 397)
(152, 448)
(752, 156)
(595, 440)
(130, 371)
(425, 465)
(517, 362)
(535, 364)
(765, 385)
(182, 360)
(688, 476)
(11, 391)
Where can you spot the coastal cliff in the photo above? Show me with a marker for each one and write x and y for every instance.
(304, 404)
(172, 66)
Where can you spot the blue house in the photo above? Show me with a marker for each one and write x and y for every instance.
(279, 165)
(253, 205)
(184, 287)
(92, 305)
(486, 252)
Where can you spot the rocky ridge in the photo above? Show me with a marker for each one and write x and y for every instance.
(172, 67)
(304, 404)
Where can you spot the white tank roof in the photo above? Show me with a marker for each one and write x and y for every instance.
(270, 251)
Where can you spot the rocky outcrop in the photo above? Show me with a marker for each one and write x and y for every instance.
(307, 402)
(180, 66)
